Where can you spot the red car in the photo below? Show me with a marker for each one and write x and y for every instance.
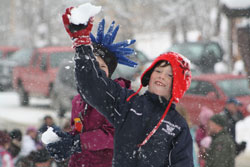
(36, 77)
(212, 90)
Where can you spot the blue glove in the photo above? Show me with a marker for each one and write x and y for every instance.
(65, 147)
(120, 49)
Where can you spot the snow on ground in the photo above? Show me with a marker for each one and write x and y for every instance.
(11, 114)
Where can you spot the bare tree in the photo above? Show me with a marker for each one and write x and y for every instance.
(28, 22)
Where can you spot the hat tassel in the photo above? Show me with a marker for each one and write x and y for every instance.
(134, 93)
(157, 126)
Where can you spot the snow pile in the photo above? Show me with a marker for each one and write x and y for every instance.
(221, 68)
(241, 128)
(239, 4)
(49, 136)
(239, 67)
(82, 13)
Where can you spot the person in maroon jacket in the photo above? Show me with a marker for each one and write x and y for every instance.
(97, 136)
(96, 133)
(202, 132)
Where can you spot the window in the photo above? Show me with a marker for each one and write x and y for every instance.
(192, 51)
(200, 88)
(9, 53)
(214, 50)
(35, 60)
(235, 87)
(66, 74)
(43, 65)
(57, 57)
(1, 54)
(22, 57)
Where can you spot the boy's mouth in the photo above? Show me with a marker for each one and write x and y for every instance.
(160, 83)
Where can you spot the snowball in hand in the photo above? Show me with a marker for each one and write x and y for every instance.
(49, 136)
(82, 13)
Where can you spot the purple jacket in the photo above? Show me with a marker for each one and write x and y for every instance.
(97, 137)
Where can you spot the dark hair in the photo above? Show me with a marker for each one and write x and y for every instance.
(41, 155)
(108, 57)
(16, 134)
(46, 117)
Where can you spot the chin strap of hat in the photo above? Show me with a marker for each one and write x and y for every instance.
(158, 124)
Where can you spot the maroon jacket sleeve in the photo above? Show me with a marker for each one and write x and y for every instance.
(199, 136)
(93, 140)
(76, 107)
(98, 139)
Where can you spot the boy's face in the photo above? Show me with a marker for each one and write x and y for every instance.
(102, 65)
(160, 82)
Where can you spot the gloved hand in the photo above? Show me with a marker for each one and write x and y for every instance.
(78, 33)
(240, 147)
(65, 147)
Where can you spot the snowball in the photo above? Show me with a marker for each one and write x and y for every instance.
(239, 67)
(67, 67)
(49, 136)
(82, 13)
(221, 68)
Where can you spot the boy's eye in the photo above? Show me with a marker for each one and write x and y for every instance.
(158, 71)
(170, 75)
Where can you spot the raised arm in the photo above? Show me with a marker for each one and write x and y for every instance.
(95, 88)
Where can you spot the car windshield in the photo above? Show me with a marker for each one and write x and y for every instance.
(21, 57)
(58, 57)
(192, 51)
(235, 87)
(66, 74)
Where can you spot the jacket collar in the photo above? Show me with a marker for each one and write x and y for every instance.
(159, 100)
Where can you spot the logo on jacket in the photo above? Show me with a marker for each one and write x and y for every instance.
(170, 127)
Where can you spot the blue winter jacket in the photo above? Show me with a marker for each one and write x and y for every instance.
(170, 146)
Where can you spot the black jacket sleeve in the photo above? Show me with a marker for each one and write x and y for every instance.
(182, 152)
(96, 89)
